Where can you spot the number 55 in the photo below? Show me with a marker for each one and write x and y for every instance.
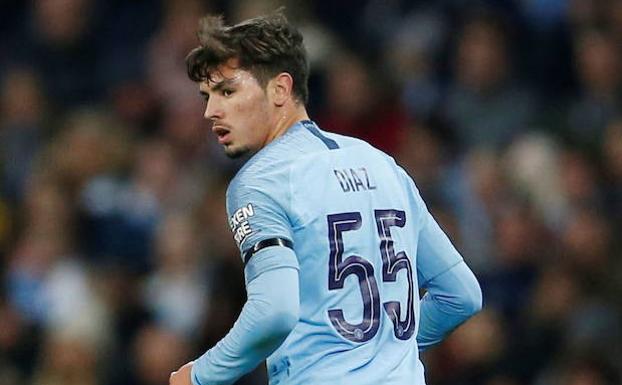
(339, 269)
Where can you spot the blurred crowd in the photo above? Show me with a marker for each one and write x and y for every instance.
(116, 261)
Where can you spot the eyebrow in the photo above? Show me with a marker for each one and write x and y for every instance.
(218, 86)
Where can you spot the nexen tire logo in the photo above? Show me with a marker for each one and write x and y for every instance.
(239, 223)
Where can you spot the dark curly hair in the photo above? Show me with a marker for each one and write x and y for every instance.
(265, 46)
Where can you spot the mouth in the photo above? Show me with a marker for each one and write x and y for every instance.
(222, 133)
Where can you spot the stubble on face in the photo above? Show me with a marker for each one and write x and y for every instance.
(235, 153)
(245, 114)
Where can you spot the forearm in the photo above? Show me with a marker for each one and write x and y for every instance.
(452, 298)
(268, 316)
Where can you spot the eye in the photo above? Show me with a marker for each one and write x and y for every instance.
(227, 92)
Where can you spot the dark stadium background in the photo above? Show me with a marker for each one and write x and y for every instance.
(117, 264)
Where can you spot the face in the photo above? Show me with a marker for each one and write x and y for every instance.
(238, 110)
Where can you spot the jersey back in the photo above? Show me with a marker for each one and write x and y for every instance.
(353, 217)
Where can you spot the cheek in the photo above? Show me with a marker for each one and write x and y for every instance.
(252, 111)
(250, 104)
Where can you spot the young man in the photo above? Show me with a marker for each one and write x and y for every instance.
(335, 237)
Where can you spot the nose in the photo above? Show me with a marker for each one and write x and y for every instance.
(213, 110)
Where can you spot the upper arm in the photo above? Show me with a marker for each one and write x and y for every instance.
(435, 252)
(257, 210)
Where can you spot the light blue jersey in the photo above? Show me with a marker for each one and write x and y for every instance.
(364, 243)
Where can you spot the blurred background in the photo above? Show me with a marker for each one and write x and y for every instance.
(116, 261)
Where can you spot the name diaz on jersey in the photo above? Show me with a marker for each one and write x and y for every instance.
(239, 223)
(354, 179)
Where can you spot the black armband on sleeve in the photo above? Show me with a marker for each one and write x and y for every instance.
(267, 243)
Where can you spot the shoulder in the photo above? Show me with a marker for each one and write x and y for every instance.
(262, 171)
(258, 183)
(258, 203)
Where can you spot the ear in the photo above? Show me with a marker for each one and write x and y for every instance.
(281, 88)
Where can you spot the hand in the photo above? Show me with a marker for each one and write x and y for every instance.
(182, 375)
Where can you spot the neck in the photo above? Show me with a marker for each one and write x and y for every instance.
(285, 120)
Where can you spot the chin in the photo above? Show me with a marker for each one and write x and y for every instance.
(235, 153)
